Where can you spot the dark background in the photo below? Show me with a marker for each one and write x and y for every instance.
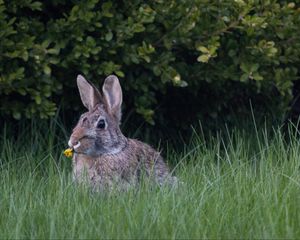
(179, 62)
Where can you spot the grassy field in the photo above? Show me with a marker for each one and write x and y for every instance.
(240, 185)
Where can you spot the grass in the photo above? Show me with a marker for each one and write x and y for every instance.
(243, 184)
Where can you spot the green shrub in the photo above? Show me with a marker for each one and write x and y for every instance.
(229, 47)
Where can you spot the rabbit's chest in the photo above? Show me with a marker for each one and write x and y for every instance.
(104, 171)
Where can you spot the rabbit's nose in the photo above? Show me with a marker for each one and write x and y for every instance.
(74, 144)
(71, 144)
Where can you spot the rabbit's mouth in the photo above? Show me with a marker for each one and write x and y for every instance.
(77, 145)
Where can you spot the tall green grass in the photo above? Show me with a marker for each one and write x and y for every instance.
(241, 184)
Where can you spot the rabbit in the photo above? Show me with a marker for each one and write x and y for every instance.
(103, 156)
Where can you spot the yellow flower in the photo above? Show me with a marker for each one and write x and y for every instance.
(68, 152)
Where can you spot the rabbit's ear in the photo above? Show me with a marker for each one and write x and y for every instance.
(89, 94)
(113, 95)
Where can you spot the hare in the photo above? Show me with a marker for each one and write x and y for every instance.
(103, 156)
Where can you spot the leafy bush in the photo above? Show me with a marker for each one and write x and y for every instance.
(201, 48)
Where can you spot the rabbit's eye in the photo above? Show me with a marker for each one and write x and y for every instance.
(101, 124)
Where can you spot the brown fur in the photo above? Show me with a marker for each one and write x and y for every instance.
(124, 169)
(104, 157)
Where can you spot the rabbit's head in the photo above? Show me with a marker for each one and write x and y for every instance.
(97, 131)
